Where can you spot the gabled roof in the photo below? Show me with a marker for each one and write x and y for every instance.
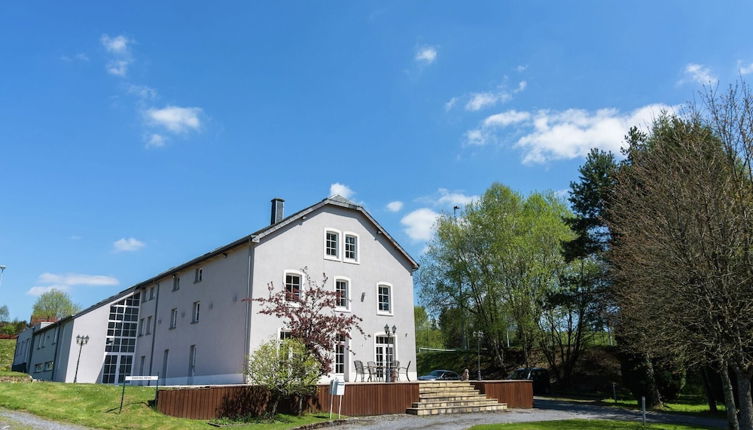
(336, 200)
(256, 236)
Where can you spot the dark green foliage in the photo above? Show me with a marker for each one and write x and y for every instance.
(636, 376)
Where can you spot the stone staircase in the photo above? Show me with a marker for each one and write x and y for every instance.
(452, 398)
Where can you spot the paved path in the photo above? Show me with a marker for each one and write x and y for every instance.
(14, 420)
(545, 410)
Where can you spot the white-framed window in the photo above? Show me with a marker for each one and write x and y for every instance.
(293, 285)
(173, 317)
(165, 356)
(351, 245)
(48, 365)
(141, 327)
(54, 335)
(151, 293)
(149, 325)
(285, 334)
(340, 347)
(331, 244)
(384, 298)
(191, 364)
(176, 282)
(198, 274)
(342, 288)
(195, 313)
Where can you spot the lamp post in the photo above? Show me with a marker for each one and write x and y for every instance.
(478, 335)
(387, 359)
(81, 341)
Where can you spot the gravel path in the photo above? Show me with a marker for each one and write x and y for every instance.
(14, 420)
(545, 410)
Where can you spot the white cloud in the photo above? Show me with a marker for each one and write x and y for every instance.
(155, 141)
(419, 224)
(115, 45)
(426, 54)
(548, 135)
(447, 198)
(338, 189)
(141, 91)
(504, 119)
(176, 119)
(480, 101)
(128, 244)
(70, 279)
(486, 99)
(64, 281)
(120, 54)
(521, 68)
(39, 290)
(395, 206)
(699, 73)
(744, 70)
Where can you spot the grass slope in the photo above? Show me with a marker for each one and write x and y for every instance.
(96, 405)
(7, 348)
(583, 425)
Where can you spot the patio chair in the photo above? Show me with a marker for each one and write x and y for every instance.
(374, 373)
(360, 370)
(405, 369)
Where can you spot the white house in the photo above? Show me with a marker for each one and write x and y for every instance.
(190, 325)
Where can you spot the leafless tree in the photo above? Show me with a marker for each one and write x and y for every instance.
(681, 218)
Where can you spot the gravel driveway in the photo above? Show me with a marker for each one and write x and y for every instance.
(545, 410)
(14, 420)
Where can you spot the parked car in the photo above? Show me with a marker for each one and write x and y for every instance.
(440, 375)
(538, 375)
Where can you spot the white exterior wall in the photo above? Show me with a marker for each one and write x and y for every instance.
(218, 335)
(303, 244)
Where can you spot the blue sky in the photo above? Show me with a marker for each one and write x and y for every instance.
(138, 135)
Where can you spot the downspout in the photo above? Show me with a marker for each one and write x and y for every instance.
(247, 320)
(154, 333)
(31, 351)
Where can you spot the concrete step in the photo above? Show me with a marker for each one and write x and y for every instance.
(446, 389)
(457, 410)
(446, 404)
(463, 396)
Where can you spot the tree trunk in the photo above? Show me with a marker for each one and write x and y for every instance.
(729, 399)
(708, 390)
(744, 398)
(653, 398)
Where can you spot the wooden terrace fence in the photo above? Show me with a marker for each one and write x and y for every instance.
(359, 399)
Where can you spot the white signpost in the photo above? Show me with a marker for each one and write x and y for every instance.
(137, 378)
(336, 388)
(142, 378)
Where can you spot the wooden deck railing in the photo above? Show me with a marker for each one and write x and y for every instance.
(360, 398)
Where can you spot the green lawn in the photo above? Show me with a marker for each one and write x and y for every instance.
(583, 425)
(96, 405)
(7, 348)
(687, 405)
